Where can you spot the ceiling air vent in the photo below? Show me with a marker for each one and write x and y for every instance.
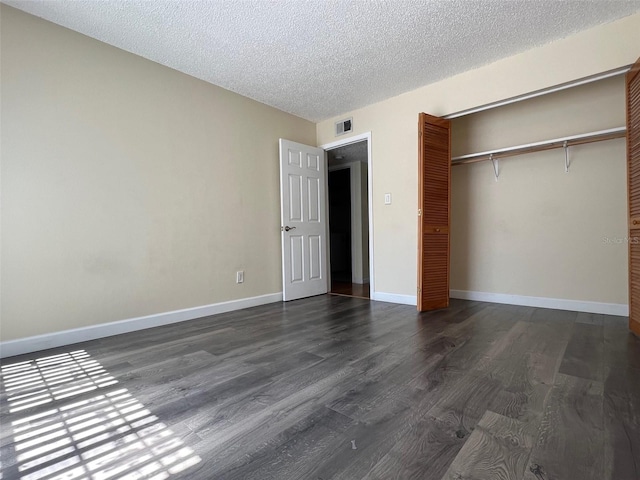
(344, 126)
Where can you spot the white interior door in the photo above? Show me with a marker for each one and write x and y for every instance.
(304, 220)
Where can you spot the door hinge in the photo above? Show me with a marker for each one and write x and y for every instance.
(419, 212)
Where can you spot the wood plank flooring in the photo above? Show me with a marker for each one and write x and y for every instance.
(350, 289)
(333, 387)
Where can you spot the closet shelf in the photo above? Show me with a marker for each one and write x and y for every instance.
(598, 136)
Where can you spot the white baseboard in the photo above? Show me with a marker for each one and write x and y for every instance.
(68, 337)
(618, 309)
(83, 334)
(394, 298)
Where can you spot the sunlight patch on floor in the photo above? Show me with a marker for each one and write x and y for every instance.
(70, 420)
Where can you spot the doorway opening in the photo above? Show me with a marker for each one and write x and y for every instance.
(348, 201)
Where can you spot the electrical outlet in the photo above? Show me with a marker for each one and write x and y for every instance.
(240, 276)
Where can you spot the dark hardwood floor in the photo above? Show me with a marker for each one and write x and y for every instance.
(334, 387)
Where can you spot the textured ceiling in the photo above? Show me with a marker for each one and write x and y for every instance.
(320, 58)
(354, 152)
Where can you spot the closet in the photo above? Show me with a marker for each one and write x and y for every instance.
(537, 200)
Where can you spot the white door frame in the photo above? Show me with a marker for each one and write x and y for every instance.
(341, 143)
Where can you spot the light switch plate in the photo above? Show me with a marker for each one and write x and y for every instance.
(387, 199)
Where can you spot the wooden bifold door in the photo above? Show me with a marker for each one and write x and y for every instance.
(633, 178)
(434, 211)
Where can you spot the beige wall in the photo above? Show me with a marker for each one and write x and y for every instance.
(393, 124)
(539, 231)
(128, 188)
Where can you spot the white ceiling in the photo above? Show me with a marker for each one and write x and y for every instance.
(320, 58)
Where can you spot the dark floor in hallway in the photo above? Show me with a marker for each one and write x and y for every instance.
(350, 289)
(334, 387)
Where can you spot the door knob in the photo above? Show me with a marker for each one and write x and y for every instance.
(287, 228)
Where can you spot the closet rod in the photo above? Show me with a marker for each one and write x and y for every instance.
(599, 136)
(541, 92)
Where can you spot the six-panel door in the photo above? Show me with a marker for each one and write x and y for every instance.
(303, 205)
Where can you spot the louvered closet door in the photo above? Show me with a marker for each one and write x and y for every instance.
(434, 212)
(633, 176)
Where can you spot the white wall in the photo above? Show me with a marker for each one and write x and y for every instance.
(128, 188)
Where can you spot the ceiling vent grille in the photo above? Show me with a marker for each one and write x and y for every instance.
(344, 126)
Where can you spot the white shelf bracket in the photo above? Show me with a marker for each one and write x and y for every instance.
(496, 166)
(566, 156)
